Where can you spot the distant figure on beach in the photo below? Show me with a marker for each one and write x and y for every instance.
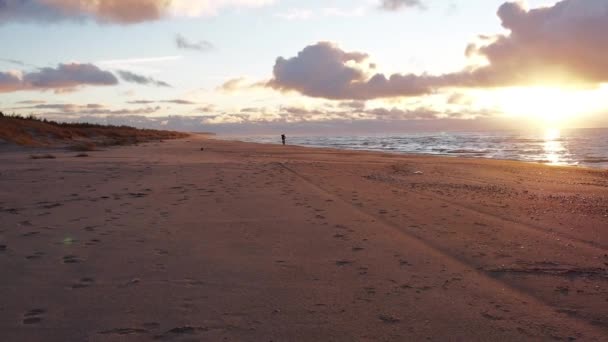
(283, 138)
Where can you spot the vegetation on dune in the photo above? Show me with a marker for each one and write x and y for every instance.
(81, 137)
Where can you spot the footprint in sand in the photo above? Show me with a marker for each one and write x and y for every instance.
(403, 262)
(92, 242)
(35, 256)
(2, 248)
(389, 319)
(28, 234)
(344, 263)
(71, 259)
(83, 283)
(181, 331)
(33, 316)
(123, 331)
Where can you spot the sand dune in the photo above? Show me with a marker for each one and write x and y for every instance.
(248, 242)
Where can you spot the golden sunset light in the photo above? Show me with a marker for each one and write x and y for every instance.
(290, 170)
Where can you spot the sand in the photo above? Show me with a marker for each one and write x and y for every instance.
(248, 242)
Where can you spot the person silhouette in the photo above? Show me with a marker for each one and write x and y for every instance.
(283, 138)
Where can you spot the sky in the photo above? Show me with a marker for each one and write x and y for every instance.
(333, 66)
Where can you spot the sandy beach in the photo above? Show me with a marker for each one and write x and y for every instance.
(251, 242)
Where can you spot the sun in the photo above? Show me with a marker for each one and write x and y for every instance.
(545, 106)
(550, 106)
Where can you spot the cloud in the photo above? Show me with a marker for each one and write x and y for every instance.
(12, 61)
(232, 85)
(11, 81)
(295, 14)
(306, 14)
(239, 83)
(76, 110)
(395, 5)
(174, 101)
(324, 70)
(141, 102)
(63, 107)
(114, 11)
(132, 77)
(31, 102)
(564, 43)
(65, 77)
(136, 61)
(358, 105)
(459, 99)
(180, 102)
(560, 45)
(183, 43)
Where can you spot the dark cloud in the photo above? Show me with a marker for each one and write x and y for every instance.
(69, 76)
(63, 78)
(132, 77)
(10, 81)
(56, 106)
(395, 5)
(183, 43)
(565, 44)
(324, 70)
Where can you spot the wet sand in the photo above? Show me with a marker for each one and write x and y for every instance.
(248, 242)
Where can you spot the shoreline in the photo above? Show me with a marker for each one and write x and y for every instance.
(246, 241)
(420, 154)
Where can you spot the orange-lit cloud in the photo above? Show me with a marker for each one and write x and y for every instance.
(113, 11)
(564, 43)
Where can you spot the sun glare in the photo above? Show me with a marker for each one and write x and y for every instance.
(548, 107)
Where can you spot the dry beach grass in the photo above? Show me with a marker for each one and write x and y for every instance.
(33, 132)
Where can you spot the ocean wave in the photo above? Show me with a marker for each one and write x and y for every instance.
(574, 147)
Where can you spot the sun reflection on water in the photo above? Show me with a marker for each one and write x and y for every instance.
(554, 147)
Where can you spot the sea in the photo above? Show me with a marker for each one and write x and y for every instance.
(575, 147)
